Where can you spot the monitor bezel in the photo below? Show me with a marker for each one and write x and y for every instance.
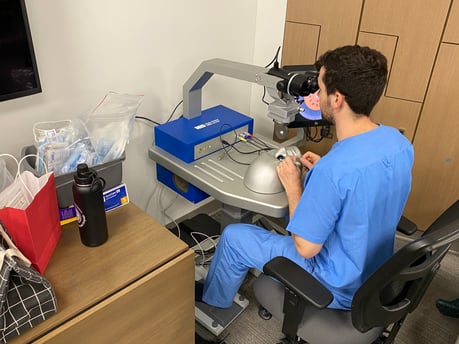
(37, 87)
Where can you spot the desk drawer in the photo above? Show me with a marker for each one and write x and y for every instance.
(157, 308)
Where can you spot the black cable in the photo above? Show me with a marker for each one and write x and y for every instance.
(232, 128)
(157, 123)
(316, 138)
(274, 60)
(147, 119)
(225, 145)
(173, 111)
(258, 146)
(242, 152)
(263, 97)
(251, 136)
(260, 141)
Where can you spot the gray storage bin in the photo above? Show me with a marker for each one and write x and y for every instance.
(111, 172)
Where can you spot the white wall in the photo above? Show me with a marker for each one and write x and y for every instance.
(87, 48)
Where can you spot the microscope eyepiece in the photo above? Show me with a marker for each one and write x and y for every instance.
(299, 84)
(296, 84)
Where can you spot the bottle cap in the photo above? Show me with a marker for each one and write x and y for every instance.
(84, 175)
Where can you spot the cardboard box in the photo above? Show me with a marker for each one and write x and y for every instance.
(113, 198)
(116, 197)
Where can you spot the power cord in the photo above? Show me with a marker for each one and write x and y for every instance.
(318, 135)
(168, 120)
(273, 61)
(164, 209)
(244, 137)
(202, 250)
(147, 119)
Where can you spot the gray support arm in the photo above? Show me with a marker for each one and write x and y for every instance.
(280, 110)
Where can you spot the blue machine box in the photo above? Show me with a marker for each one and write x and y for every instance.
(180, 186)
(192, 139)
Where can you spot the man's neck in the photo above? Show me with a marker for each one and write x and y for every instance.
(350, 126)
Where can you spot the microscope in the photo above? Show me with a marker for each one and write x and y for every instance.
(282, 85)
(199, 134)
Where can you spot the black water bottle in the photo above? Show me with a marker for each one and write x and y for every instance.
(89, 204)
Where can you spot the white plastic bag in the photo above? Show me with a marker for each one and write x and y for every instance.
(5, 176)
(23, 188)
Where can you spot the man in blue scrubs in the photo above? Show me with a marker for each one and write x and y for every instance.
(344, 215)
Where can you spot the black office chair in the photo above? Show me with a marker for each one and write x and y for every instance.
(379, 306)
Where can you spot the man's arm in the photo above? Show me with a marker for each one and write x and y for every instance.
(306, 248)
(290, 177)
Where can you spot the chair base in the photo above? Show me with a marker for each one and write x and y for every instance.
(264, 313)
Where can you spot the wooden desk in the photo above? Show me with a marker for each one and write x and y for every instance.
(136, 288)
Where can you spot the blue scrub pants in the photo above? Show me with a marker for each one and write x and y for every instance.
(241, 247)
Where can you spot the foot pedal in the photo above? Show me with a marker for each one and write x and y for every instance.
(215, 319)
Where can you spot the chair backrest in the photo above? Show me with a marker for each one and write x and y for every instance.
(398, 286)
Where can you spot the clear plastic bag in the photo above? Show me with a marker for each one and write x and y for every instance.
(99, 138)
(109, 125)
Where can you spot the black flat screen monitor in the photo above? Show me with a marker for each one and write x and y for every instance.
(18, 67)
(310, 114)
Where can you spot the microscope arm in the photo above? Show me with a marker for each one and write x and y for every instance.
(282, 110)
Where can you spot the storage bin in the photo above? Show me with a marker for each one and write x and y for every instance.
(111, 172)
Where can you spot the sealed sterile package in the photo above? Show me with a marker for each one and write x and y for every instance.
(109, 125)
(53, 131)
(80, 151)
(51, 139)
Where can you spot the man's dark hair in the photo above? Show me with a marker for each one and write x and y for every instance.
(359, 73)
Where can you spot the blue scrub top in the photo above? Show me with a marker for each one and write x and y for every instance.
(352, 202)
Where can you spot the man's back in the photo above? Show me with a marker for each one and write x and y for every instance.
(352, 201)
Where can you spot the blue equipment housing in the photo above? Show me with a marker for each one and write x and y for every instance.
(190, 139)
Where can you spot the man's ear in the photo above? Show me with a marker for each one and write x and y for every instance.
(337, 100)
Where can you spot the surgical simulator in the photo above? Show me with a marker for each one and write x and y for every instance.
(214, 152)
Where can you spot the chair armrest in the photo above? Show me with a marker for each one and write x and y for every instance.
(298, 281)
(407, 227)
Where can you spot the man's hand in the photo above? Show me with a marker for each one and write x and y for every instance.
(290, 176)
(309, 159)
